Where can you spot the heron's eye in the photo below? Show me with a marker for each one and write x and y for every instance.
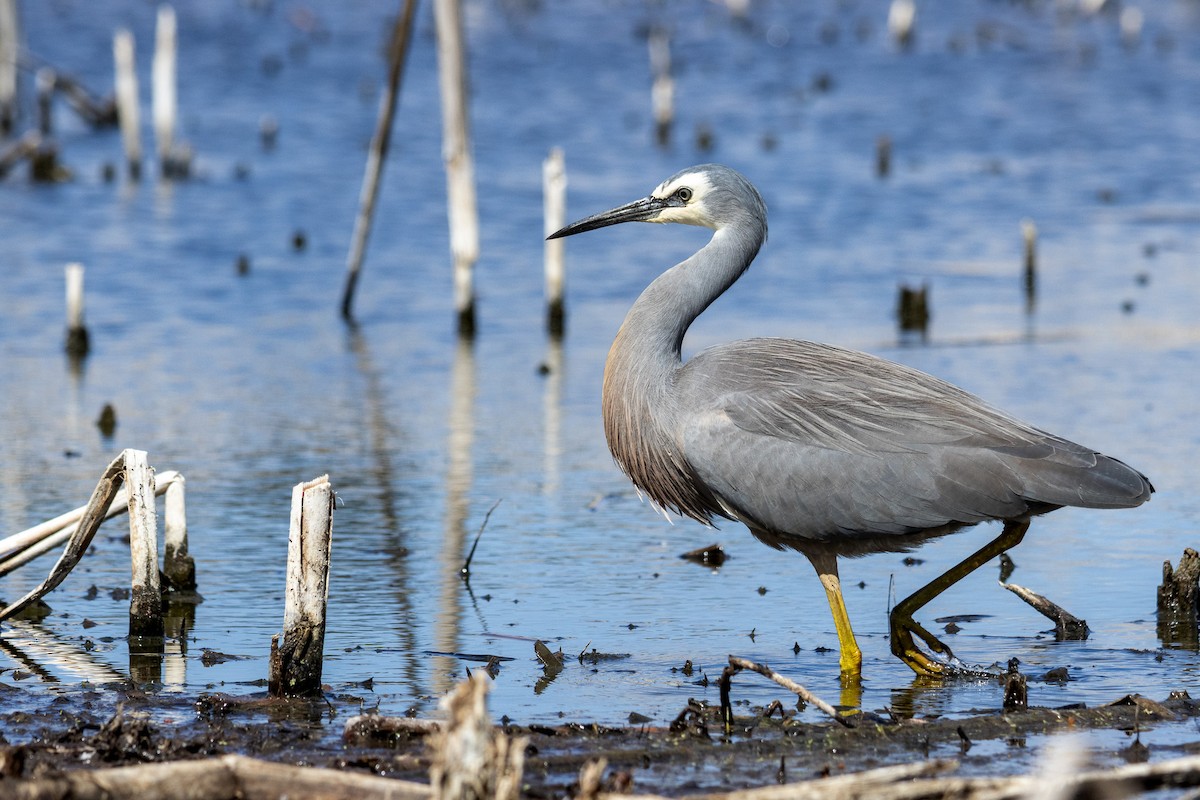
(684, 194)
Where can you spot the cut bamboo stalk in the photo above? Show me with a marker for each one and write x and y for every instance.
(23, 547)
(163, 90)
(456, 151)
(297, 653)
(401, 35)
(10, 43)
(77, 335)
(145, 604)
(127, 101)
(178, 566)
(554, 191)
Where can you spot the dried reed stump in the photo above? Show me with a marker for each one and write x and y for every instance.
(1179, 601)
(298, 653)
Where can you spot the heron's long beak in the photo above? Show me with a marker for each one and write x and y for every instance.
(642, 210)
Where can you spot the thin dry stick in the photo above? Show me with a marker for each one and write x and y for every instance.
(401, 35)
(465, 572)
(789, 684)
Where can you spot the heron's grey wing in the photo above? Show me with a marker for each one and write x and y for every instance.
(819, 441)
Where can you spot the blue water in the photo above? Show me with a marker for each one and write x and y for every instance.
(249, 385)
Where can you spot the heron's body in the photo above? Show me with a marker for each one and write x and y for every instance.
(816, 448)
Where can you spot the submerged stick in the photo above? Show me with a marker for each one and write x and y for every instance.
(791, 686)
(77, 334)
(554, 194)
(127, 101)
(1067, 626)
(297, 654)
(456, 151)
(401, 34)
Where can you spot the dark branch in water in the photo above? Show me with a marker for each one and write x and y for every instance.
(465, 572)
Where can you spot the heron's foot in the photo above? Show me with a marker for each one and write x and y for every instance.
(905, 648)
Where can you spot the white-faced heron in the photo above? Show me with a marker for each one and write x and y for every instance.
(827, 451)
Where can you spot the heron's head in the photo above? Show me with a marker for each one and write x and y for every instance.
(709, 195)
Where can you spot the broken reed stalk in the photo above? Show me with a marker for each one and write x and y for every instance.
(804, 694)
(21, 548)
(78, 342)
(662, 89)
(178, 566)
(164, 102)
(401, 35)
(145, 604)
(10, 44)
(127, 101)
(554, 198)
(26, 147)
(456, 151)
(297, 654)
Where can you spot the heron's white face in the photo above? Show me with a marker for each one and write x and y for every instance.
(685, 197)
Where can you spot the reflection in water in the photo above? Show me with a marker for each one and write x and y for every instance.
(459, 476)
(39, 650)
(552, 416)
(381, 442)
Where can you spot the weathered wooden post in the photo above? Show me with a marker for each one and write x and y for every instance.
(554, 191)
(456, 151)
(163, 101)
(297, 653)
(401, 35)
(10, 43)
(145, 604)
(127, 101)
(78, 342)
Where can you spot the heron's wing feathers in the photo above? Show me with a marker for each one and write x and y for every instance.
(844, 439)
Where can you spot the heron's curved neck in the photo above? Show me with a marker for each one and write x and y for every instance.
(655, 326)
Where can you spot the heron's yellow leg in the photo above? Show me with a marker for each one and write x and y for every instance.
(851, 656)
(903, 626)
